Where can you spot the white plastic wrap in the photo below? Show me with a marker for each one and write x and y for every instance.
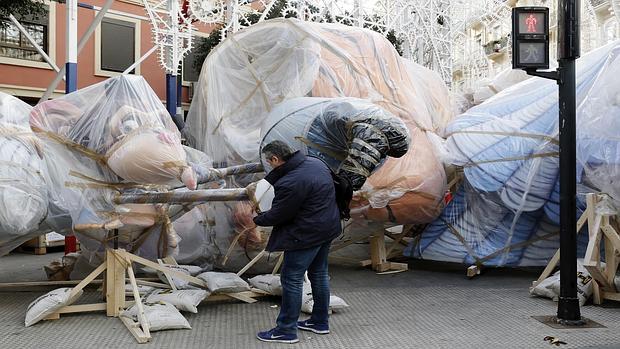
(125, 125)
(248, 75)
(598, 131)
(22, 183)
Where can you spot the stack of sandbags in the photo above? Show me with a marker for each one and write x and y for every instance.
(23, 190)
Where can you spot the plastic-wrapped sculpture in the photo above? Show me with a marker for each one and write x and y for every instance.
(112, 136)
(508, 148)
(250, 73)
(23, 187)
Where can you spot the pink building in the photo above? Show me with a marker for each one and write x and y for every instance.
(121, 39)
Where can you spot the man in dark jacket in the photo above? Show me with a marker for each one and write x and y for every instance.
(305, 219)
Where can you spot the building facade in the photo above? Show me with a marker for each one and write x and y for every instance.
(123, 36)
(599, 26)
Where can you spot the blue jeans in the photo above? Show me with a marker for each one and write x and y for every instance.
(294, 266)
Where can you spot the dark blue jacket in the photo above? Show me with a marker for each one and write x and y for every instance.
(304, 212)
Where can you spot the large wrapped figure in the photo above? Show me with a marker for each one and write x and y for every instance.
(508, 210)
(22, 186)
(248, 75)
(110, 137)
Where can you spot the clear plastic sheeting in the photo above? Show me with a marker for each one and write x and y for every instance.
(504, 79)
(245, 78)
(598, 131)
(476, 228)
(23, 190)
(112, 137)
(122, 123)
(351, 135)
(508, 148)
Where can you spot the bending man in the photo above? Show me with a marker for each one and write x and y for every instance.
(305, 219)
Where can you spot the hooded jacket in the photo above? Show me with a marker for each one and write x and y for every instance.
(304, 212)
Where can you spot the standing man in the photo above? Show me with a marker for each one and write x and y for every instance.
(305, 219)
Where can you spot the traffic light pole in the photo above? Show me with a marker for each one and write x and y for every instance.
(568, 51)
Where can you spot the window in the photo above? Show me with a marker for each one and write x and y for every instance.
(118, 42)
(190, 71)
(14, 44)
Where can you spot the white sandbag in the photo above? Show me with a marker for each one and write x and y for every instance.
(545, 287)
(224, 282)
(48, 304)
(178, 282)
(550, 287)
(142, 289)
(193, 270)
(184, 300)
(268, 283)
(335, 302)
(160, 316)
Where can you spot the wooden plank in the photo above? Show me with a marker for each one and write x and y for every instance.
(45, 283)
(596, 293)
(252, 262)
(115, 282)
(342, 245)
(88, 279)
(278, 264)
(392, 271)
(153, 284)
(135, 330)
(611, 260)
(598, 275)
(611, 236)
(82, 308)
(591, 258)
(173, 286)
(614, 296)
(136, 296)
(192, 279)
(170, 260)
(556, 257)
(399, 266)
(241, 297)
(377, 251)
(365, 262)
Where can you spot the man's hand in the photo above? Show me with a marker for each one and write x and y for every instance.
(251, 190)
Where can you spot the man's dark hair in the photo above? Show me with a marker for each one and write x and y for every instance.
(279, 149)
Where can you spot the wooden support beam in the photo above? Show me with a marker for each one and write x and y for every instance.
(115, 283)
(278, 264)
(556, 257)
(169, 280)
(136, 296)
(377, 252)
(252, 262)
(192, 279)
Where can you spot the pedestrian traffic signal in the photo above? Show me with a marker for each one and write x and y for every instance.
(530, 38)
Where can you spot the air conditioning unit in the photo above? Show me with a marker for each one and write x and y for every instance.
(192, 88)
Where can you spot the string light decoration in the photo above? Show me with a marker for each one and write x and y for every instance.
(172, 32)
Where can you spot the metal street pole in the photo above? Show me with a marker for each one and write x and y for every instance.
(71, 40)
(568, 51)
(71, 78)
